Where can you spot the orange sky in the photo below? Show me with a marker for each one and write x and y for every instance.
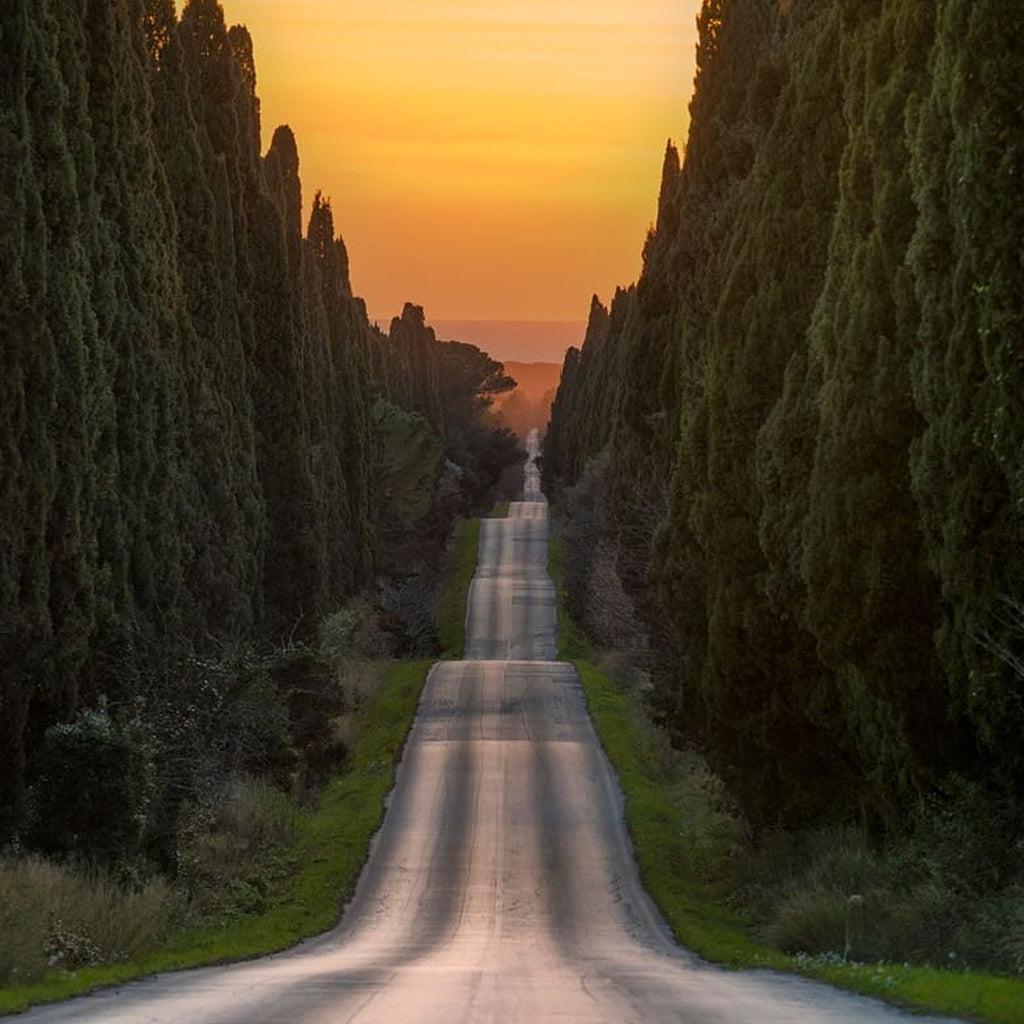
(486, 160)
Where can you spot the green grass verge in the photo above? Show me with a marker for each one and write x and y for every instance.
(658, 826)
(332, 846)
(451, 616)
(695, 911)
(499, 510)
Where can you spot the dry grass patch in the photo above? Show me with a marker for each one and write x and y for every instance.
(53, 916)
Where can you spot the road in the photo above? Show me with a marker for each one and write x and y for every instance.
(502, 887)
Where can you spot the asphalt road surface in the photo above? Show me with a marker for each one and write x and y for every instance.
(502, 887)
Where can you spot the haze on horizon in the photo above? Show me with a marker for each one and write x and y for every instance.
(489, 163)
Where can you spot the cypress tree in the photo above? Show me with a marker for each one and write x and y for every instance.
(582, 418)
(350, 431)
(871, 603)
(412, 371)
(719, 158)
(968, 370)
(28, 76)
(137, 311)
(226, 513)
(62, 158)
(761, 679)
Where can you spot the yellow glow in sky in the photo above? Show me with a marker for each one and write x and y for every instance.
(484, 160)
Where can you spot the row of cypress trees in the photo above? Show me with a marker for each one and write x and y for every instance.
(809, 405)
(189, 447)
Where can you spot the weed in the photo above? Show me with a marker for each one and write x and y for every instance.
(56, 916)
(810, 921)
(231, 849)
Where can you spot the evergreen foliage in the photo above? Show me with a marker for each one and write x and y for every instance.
(190, 457)
(96, 778)
(451, 385)
(800, 431)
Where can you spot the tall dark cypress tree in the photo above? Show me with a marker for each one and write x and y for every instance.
(719, 159)
(762, 682)
(968, 372)
(582, 418)
(138, 314)
(28, 458)
(871, 602)
(226, 513)
(786, 439)
(63, 160)
(347, 439)
(412, 372)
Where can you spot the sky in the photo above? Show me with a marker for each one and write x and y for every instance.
(485, 159)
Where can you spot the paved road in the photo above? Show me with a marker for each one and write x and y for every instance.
(502, 888)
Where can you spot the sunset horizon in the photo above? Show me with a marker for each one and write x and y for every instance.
(488, 165)
(487, 539)
(510, 340)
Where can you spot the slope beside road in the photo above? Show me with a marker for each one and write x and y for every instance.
(502, 886)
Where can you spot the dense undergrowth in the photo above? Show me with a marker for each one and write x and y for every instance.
(783, 901)
(260, 861)
(273, 872)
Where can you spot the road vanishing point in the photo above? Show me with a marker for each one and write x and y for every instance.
(502, 886)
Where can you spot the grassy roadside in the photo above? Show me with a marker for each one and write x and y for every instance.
(499, 510)
(332, 842)
(663, 837)
(451, 616)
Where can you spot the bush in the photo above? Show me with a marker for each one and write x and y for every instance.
(353, 632)
(944, 894)
(230, 848)
(94, 787)
(407, 608)
(52, 916)
(965, 839)
(811, 921)
(213, 715)
(315, 694)
(713, 827)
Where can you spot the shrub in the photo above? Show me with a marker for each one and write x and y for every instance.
(353, 632)
(94, 786)
(230, 847)
(315, 694)
(713, 827)
(965, 838)
(408, 608)
(213, 715)
(924, 903)
(811, 921)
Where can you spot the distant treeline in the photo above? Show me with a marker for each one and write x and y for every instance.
(799, 437)
(201, 437)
